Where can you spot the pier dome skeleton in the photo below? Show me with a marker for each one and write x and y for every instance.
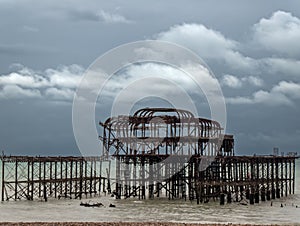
(154, 145)
(163, 131)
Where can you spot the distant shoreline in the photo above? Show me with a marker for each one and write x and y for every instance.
(131, 224)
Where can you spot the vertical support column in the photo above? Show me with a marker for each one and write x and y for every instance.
(71, 177)
(190, 179)
(85, 177)
(76, 180)
(95, 176)
(229, 179)
(55, 179)
(273, 179)
(28, 179)
(66, 179)
(44, 182)
(80, 178)
(51, 179)
(143, 178)
(241, 178)
(32, 179)
(118, 178)
(277, 178)
(286, 177)
(290, 176)
(248, 181)
(40, 178)
(236, 179)
(16, 180)
(281, 177)
(158, 183)
(263, 192)
(108, 177)
(61, 178)
(293, 175)
(151, 182)
(197, 182)
(268, 181)
(127, 178)
(91, 177)
(222, 199)
(256, 194)
(252, 181)
(100, 176)
(3, 179)
(251, 198)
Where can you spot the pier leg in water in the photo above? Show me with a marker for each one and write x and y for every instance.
(247, 194)
(251, 197)
(268, 195)
(229, 197)
(273, 194)
(278, 193)
(256, 197)
(222, 199)
(263, 195)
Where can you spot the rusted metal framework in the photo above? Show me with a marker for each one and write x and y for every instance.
(171, 153)
(253, 178)
(163, 131)
(30, 178)
(160, 149)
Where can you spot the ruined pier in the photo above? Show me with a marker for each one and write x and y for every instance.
(154, 153)
(163, 152)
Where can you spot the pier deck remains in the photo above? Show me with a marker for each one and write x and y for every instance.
(29, 178)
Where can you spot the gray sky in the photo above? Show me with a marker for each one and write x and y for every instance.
(252, 47)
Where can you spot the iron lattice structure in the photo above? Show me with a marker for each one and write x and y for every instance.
(29, 178)
(164, 131)
(162, 150)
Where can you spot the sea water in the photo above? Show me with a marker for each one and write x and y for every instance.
(156, 210)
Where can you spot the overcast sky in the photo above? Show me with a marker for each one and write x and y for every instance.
(252, 47)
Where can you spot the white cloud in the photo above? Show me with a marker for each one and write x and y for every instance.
(59, 94)
(284, 66)
(16, 92)
(112, 18)
(162, 81)
(231, 81)
(208, 43)
(282, 94)
(280, 32)
(253, 80)
(65, 76)
(24, 82)
(290, 89)
(236, 82)
(18, 79)
(60, 83)
(261, 97)
(158, 72)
